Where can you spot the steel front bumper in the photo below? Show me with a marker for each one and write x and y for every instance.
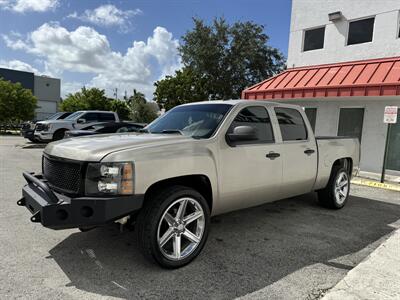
(28, 134)
(58, 211)
(43, 136)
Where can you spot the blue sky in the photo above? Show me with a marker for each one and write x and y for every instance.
(123, 44)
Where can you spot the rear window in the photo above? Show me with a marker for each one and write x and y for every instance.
(291, 124)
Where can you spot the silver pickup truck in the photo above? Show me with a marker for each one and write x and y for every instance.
(196, 161)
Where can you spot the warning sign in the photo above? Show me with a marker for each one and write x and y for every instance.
(390, 116)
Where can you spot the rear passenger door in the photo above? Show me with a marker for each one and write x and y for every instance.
(299, 152)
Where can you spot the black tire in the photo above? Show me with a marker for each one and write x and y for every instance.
(330, 197)
(33, 140)
(59, 135)
(150, 217)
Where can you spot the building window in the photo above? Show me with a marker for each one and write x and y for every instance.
(360, 31)
(351, 122)
(311, 114)
(314, 39)
(398, 29)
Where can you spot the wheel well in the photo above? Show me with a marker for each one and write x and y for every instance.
(346, 163)
(200, 183)
(60, 129)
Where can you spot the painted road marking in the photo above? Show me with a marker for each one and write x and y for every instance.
(376, 184)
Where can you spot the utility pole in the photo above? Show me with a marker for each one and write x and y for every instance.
(116, 93)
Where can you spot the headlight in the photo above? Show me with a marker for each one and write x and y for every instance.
(46, 127)
(109, 179)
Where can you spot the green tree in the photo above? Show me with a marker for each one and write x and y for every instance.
(141, 110)
(16, 103)
(224, 58)
(121, 108)
(185, 86)
(86, 99)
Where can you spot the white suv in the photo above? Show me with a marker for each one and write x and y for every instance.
(53, 130)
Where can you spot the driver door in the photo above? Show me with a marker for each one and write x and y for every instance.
(249, 174)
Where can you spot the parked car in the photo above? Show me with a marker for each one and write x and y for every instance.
(103, 128)
(28, 128)
(54, 130)
(196, 161)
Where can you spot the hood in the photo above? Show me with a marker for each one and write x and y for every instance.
(94, 148)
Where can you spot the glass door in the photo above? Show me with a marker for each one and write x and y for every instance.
(393, 156)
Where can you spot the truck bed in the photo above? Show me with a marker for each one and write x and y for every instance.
(329, 149)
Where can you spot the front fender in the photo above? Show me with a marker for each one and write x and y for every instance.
(154, 164)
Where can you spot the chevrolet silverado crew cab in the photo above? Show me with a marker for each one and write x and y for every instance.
(197, 160)
(54, 130)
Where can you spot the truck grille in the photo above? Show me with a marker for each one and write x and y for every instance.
(39, 127)
(63, 175)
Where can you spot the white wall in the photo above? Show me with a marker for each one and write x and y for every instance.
(47, 90)
(314, 13)
(374, 130)
(45, 109)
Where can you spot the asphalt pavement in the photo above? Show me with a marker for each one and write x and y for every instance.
(290, 249)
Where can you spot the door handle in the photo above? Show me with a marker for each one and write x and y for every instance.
(272, 155)
(309, 151)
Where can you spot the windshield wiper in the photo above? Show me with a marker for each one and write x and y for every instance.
(144, 130)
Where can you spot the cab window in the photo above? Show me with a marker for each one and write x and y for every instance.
(106, 117)
(291, 124)
(258, 118)
(90, 117)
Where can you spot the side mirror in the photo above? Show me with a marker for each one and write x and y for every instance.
(81, 121)
(241, 134)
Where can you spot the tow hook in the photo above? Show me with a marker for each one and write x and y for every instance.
(122, 222)
(21, 202)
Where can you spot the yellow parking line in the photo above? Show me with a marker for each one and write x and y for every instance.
(376, 184)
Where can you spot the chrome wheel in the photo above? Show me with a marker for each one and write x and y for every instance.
(181, 228)
(341, 187)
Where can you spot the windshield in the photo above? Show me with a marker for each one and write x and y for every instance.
(197, 121)
(55, 116)
(74, 116)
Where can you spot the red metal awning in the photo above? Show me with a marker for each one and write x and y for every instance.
(376, 77)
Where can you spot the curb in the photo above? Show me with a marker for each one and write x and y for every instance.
(376, 184)
(375, 278)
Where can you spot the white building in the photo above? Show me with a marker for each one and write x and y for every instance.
(364, 29)
(44, 88)
(344, 68)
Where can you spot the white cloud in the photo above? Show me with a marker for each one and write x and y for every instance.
(70, 87)
(18, 65)
(108, 15)
(85, 50)
(22, 6)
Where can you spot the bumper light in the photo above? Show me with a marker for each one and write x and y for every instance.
(109, 178)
